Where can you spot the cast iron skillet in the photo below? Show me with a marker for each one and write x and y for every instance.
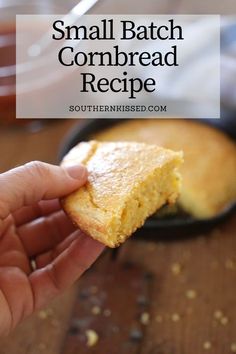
(169, 228)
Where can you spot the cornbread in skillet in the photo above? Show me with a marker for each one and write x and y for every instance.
(127, 183)
(209, 168)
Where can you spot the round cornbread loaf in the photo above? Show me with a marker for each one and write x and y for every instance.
(209, 168)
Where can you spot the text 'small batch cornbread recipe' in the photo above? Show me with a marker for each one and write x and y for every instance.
(70, 56)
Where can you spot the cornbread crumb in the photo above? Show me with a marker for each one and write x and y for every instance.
(158, 318)
(33, 264)
(43, 314)
(224, 320)
(233, 347)
(145, 318)
(191, 294)
(207, 345)
(92, 337)
(96, 310)
(175, 317)
(176, 268)
(218, 314)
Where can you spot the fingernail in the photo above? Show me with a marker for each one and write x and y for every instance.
(77, 171)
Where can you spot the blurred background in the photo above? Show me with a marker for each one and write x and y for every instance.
(158, 297)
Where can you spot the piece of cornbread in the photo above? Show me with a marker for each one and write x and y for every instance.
(127, 183)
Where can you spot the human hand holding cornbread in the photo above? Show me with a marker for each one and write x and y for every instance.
(127, 182)
(33, 226)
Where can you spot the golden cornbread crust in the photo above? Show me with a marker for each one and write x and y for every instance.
(209, 168)
(127, 183)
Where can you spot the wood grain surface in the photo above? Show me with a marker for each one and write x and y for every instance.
(192, 306)
(111, 310)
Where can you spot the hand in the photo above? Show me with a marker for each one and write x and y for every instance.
(33, 226)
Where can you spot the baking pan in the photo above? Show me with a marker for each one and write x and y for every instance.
(168, 228)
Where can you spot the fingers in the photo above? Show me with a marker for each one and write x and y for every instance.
(45, 258)
(6, 316)
(29, 213)
(15, 258)
(12, 253)
(45, 233)
(64, 270)
(16, 297)
(28, 184)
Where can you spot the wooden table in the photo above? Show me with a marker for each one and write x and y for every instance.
(193, 294)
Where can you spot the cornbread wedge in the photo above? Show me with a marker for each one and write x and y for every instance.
(127, 183)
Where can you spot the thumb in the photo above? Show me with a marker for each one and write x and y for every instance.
(34, 181)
